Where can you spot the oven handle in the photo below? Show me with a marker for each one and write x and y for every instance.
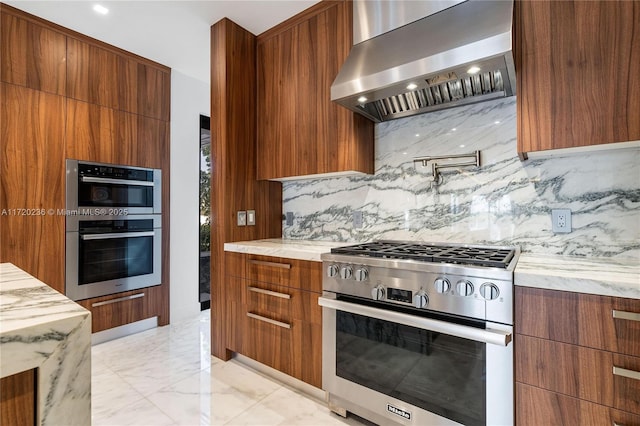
(116, 235)
(92, 179)
(495, 337)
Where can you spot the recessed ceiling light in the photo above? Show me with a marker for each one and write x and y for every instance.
(362, 99)
(496, 122)
(461, 146)
(473, 70)
(454, 129)
(417, 135)
(100, 9)
(411, 86)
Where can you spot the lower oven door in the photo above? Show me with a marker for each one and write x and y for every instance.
(107, 255)
(396, 368)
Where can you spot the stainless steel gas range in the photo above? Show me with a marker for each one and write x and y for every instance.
(419, 334)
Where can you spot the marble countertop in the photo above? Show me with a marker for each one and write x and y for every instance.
(291, 249)
(41, 328)
(603, 276)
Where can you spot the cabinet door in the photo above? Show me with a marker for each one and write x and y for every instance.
(32, 56)
(300, 131)
(32, 182)
(18, 399)
(535, 407)
(153, 95)
(100, 76)
(577, 86)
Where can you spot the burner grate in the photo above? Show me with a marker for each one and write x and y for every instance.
(466, 255)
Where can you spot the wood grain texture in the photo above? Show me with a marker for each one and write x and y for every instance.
(577, 86)
(301, 274)
(578, 372)
(32, 56)
(127, 311)
(233, 156)
(32, 177)
(300, 131)
(18, 398)
(576, 318)
(154, 92)
(537, 407)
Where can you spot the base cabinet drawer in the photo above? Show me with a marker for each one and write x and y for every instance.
(597, 376)
(537, 407)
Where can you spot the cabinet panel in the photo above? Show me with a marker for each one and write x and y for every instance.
(32, 56)
(32, 174)
(300, 131)
(537, 407)
(577, 318)
(154, 97)
(577, 86)
(579, 372)
(151, 143)
(18, 399)
(302, 274)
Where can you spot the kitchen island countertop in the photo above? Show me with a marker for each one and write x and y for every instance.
(44, 330)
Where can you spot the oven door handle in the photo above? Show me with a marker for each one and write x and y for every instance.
(86, 237)
(92, 179)
(495, 337)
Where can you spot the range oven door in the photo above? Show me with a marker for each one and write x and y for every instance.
(107, 255)
(397, 368)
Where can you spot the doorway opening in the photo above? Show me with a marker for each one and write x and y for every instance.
(205, 213)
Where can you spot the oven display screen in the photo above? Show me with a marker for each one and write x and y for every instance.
(399, 295)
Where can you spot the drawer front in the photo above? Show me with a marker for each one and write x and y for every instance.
(306, 275)
(599, 322)
(120, 309)
(579, 372)
(535, 407)
(269, 301)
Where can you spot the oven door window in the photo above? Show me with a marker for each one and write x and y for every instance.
(92, 194)
(114, 258)
(437, 372)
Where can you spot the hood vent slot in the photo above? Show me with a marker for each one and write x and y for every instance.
(475, 88)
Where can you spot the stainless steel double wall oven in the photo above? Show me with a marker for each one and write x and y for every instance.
(419, 334)
(113, 228)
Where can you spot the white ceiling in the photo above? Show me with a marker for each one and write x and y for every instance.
(173, 33)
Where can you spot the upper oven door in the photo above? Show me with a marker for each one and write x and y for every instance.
(95, 188)
(413, 370)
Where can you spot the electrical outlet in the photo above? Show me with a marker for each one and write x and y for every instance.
(242, 218)
(251, 217)
(561, 221)
(357, 219)
(289, 218)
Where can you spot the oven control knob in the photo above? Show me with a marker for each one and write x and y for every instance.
(464, 288)
(420, 300)
(442, 285)
(346, 272)
(333, 270)
(489, 291)
(362, 274)
(377, 293)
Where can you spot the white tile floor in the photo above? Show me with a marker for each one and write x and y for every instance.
(166, 376)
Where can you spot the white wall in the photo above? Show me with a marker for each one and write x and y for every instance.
(189, 99)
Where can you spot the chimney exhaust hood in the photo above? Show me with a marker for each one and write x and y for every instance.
(456, 56)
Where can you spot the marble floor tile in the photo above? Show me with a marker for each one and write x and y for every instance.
(167, 376)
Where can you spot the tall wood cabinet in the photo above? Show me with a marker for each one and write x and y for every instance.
(66, 95)
(577, 358)
(300, 131)
(577, 65)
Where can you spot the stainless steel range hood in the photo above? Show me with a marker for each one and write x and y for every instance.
(456, 56)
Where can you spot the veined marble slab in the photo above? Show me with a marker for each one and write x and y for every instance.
(291, 249)
(607, 277)
(41, 328)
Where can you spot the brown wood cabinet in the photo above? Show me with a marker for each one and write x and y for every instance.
(18, 399)
(300, 131)
(576, 352)
(32, 56)
(274, 308)
(66, 95)
(577, 64)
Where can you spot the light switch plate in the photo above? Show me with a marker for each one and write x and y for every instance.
(357, 219)
(242, 218)
(289, 218)
(251, 217)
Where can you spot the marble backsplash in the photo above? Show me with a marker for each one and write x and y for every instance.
(505, 201)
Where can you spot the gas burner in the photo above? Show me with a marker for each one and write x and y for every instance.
(482, 256)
